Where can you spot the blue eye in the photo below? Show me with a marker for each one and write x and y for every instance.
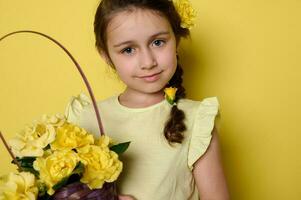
(158, 43)
(127, 50)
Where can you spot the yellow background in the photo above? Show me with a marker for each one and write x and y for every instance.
(247, 53)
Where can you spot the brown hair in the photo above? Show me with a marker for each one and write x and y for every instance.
(107, 9)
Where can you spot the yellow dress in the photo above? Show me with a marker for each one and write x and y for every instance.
(153, 170)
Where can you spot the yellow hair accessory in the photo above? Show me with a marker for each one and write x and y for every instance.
(186, 12)
(170, 94)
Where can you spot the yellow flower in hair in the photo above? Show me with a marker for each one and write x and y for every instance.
(170, 94)
(186, 12)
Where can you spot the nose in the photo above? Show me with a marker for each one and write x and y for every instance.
(147, 59)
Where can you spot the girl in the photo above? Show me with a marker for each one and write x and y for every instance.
(174, 152)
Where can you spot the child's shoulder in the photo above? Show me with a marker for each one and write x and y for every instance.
(189, 104)
(198, 109)
(82, 105)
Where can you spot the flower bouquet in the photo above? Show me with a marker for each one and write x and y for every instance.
(60, 160)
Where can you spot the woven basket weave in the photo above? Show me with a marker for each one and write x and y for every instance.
(81, 191)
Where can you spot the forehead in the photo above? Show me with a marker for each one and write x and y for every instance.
(136, 23)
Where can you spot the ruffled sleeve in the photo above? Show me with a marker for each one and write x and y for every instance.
(202, 128)
(75, 107)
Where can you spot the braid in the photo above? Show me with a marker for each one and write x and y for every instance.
(175, 125)
(176, 81)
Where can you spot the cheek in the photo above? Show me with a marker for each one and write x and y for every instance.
(124, 69)
(122, 65)
(168, 59)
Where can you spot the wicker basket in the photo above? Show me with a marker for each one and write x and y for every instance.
(82, 192)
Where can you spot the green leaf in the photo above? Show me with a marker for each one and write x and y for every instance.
(79, 169)
(25, 161)
(31, 170)
(46, 148)
(169, 100)
(120, 148)
(42, 189)
(60, 184)
(26, 164)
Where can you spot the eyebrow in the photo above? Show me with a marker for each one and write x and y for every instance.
(153, 36)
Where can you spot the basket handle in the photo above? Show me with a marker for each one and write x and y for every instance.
(77, 66)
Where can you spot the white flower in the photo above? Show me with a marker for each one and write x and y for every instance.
(75, 106)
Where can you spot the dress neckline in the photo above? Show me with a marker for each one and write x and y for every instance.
(116, 101)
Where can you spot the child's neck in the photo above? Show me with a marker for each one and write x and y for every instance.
(135, 99)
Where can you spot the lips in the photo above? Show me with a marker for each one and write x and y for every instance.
(148, 76)
(151, 78)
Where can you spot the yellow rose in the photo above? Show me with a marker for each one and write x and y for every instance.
(18, 186)
(170, 94)
(104, 141)
(101, 165)
(55, 167)
(35, 137)
(186, 12)
(70, 136)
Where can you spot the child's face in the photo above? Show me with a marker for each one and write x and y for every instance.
(142, 47)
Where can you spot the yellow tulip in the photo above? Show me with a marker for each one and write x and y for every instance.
(170, 94)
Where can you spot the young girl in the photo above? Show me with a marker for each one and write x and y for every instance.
(174, 153)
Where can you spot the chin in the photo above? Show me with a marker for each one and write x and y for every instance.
(153, 89)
